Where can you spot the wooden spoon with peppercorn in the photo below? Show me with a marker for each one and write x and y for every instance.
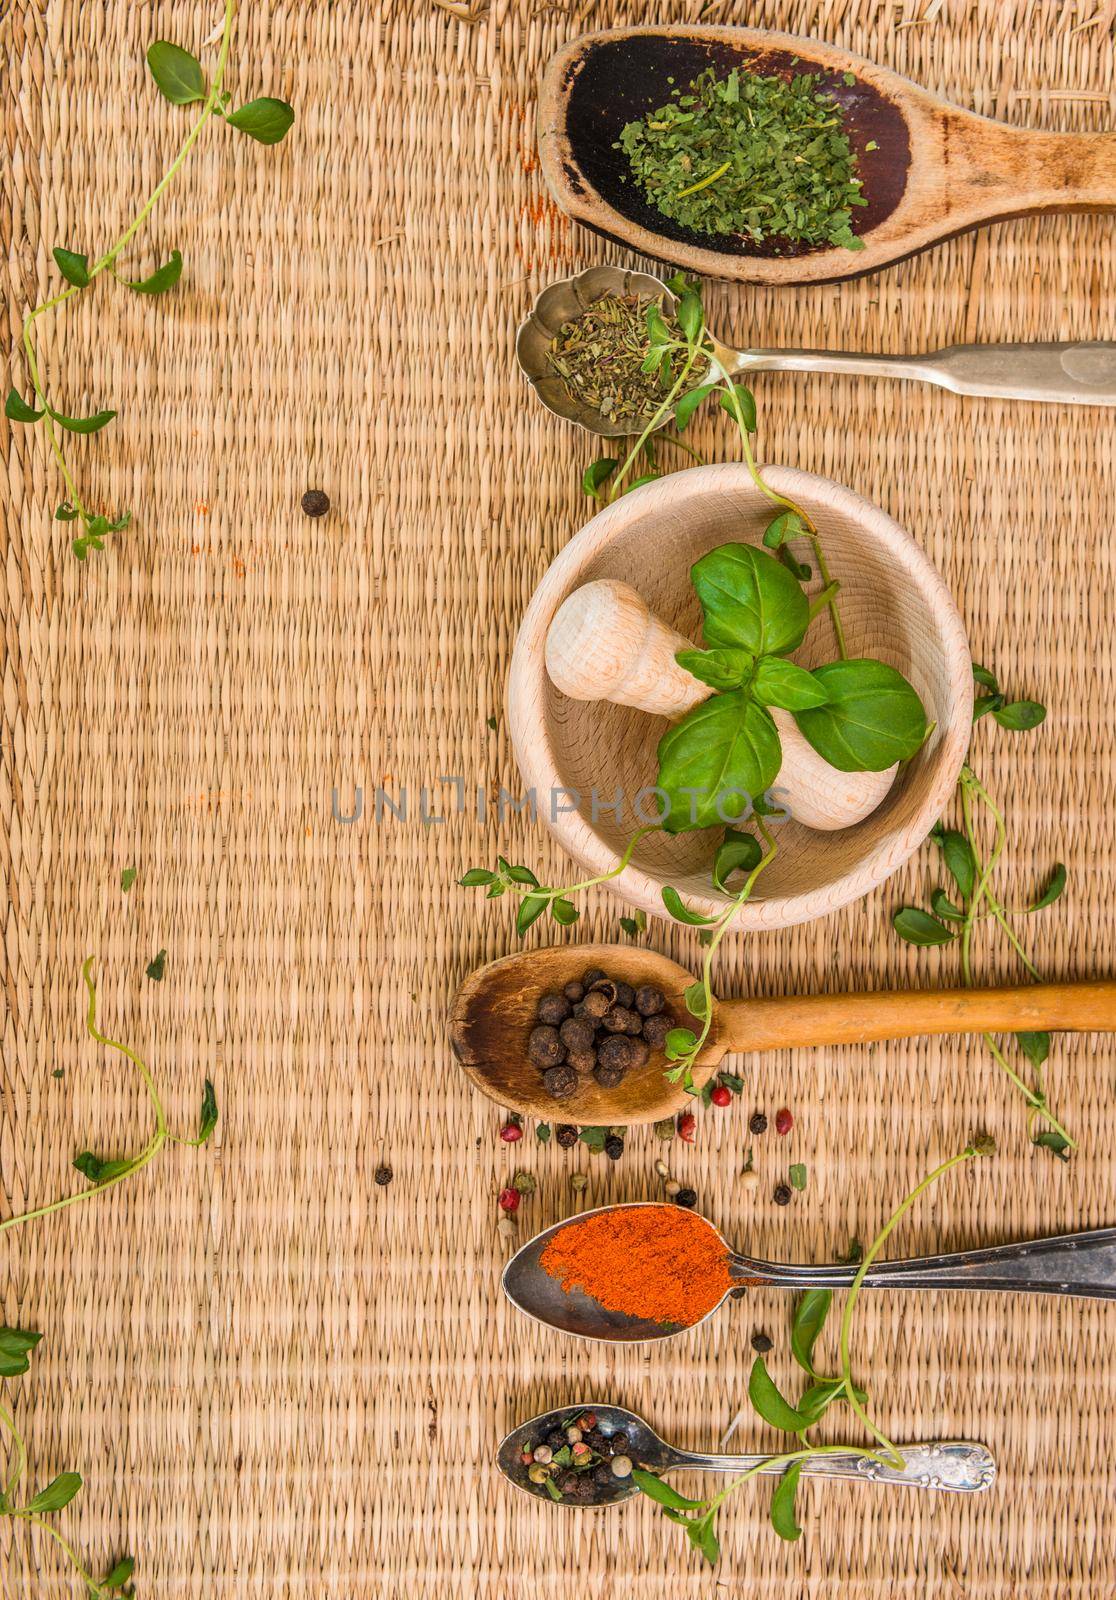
(926, 169)
(496, 1011)
(583, 1455)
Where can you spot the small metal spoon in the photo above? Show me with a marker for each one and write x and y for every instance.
(1074, 1264)
(952, 1465)
(1080, 374)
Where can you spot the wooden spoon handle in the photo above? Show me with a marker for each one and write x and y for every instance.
(794, 1020)
(1001, 171)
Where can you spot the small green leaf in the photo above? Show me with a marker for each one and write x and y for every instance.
(65, 512)
(673, 902)
(1035, 1046)
(737, 852)
(519, 874)
(1054, 1142)
(16, 409)
(695, 999)
(93, 424)
(634, 926)
(648, 477)
(655, 1489)
(919, 927)
(593, 1138)
(816, 1400)
(597, 474)
(120, 1574)
(872, 716)
(701, 1536)
(162, 279)
(531, 908)
(156, 968)
(782, 683)
(770, 1404)
(725, 668)
(58, 1493)
(986, 679)
(1053, 889)
(542, 1132)
(689, 315)
(678, 1043)
(127, 878)
(942, 906)
(177, 73)
(98, 1171)
(809, 1319)
(782, 1504)
(745, 405)
(959, 859)
(985, 703)
(564, 912)
(475, 877)
(15, 1345)
(73, 267)
(684, 409)
(266, 120)
(787, 525)
(798, 1176)
(1020, 715)
(208, 1120)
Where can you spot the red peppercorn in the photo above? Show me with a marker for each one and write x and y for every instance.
(722, 1095)
(587, 1421)
(784, 1122)
(686, 1125)
(510, 1132)
(509, 1200)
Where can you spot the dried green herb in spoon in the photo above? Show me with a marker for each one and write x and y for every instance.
(602, 358)
(763, 156)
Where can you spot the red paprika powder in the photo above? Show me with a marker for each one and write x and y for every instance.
(661, 1263)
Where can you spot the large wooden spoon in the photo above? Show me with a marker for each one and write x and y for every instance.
(929, 169)
(494, 1011)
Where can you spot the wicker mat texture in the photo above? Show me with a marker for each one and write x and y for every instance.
(276, 1378)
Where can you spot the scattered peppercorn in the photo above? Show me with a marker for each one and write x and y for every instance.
(757, 1122)
(782, 1195)
(511, 1131)
(784, 1122)
(524, 1182)
(383, 1176)
(721, 1095)
(594, 975)
(687, 1198)
(566, 1135)
(621, 1466)
(761, 1344)
(509, 1200)
(664, 1128)
(687, 1122)
(656, 1028)
(545, 1048)
(315, 502)
(614, 1147)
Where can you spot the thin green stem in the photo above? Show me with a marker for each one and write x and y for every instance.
(654, 423)
(8, 1421)
(94, 1588)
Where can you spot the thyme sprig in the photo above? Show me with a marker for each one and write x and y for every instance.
(798, 1418)
(16, 1344)
(181, 80)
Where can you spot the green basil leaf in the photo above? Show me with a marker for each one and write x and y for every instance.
(694, 998)
(98, 1171)
(942, 906)
(1035, 1046)
(92, 424)
(208, 1119)
(745, 404)
(655, 1489)
(809, 1319)
(564, 912)
(177, 73)
(684, 409)
(16, 409)
(787, 525)
(1020, 715)
(520, 874)
(65, 512)
(593, 1138)
(986, 679)
(737, 852)
(919, 927)
(596, 474)
(475, 877)
(1053, 889)
(678, 1043)
(73, 267)
(58, 1493)
(17, 1341)
(782, 1504)
(673, 902)
(872, 717)
(770, 1403)
(959, 859)
(797, 569)
(713, 763)
(162, 279)
(748, 598)
(648, 477)
(266, 120)
(118, 1577)
(724, 668)
(689, 315)
(817, 1399)
(531, 908)
(782, 683)
(985, 703)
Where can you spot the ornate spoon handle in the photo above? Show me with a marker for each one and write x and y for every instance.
(954, 1465)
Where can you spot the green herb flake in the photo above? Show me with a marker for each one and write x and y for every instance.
(798, 1176)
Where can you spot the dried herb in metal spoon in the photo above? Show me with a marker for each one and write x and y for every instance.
(601, 358)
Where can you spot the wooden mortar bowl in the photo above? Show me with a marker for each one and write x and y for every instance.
(894, 606)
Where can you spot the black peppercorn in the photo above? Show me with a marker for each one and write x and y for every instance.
(625, 995)
(574, 992)
(578, 1034)
(556, 1439)
(566, 1135)
(615, 1051)
(610, 1073)
(383, 1176)
(602, 1475)
(649, 1000)
(620, 1020)
(639, 1052)
(545, 1048)
(687, 1198)
(761, 1344)
(315, 502)
(782, 1195)
(656, 1028)
(614, 1147)
(594, 1006)
(757, 1122)
(567, 1483)
(560, 1082)
(553, 1009)
(594, 975)
(606, 987)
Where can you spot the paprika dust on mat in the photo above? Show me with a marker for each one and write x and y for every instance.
(660, 1263)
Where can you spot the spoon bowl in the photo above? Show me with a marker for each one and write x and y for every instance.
(929, 169)
(642, 1444)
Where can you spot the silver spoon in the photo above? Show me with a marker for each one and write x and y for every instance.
(1073, 1263)
(1081, 374)
(952, 1465)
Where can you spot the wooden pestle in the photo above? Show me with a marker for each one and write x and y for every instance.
(604, 644)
